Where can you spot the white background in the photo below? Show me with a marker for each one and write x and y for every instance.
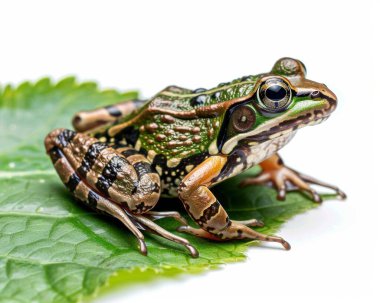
(151, 44)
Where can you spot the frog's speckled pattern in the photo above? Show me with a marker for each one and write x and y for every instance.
(181, 142)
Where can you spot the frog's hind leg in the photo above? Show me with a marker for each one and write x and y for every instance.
(89, 197)
(125, 180)
(119, 182)
(89, 121)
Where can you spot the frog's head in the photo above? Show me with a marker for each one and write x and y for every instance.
(283, 101)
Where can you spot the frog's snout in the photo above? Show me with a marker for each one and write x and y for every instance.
(318, 92)
(323, 92)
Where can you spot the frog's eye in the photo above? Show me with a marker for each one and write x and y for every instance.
(243, 118)
(274, 95)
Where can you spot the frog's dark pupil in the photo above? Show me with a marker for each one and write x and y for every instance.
(275, 92)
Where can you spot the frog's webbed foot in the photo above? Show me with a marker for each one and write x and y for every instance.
(284, 179)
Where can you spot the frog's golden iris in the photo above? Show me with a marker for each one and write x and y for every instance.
(274, 95)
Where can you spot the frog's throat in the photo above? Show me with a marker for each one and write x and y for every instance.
(288, 122)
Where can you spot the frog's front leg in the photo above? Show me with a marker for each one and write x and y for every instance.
(275, 171)
(206, 210)
(119, 182)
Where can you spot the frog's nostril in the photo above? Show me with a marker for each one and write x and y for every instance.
(315, 94)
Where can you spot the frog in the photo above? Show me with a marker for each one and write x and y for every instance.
(120, 159)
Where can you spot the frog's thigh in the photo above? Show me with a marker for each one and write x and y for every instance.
(88, 120)
(206, 210)
(124, 177)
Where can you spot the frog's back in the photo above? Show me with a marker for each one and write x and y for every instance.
(182, 99)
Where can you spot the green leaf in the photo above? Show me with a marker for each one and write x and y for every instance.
(54, 250)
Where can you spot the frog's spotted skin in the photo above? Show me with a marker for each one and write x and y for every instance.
(181, 142)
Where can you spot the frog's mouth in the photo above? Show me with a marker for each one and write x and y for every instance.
(316, 112)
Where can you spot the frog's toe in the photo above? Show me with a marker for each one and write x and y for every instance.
(142, 247)
(316, 197)
(152, 227)
(272, 178)
(312, 180)
(193, 251)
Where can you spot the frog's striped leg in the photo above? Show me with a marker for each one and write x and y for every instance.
(206, 210)
(275, 172)
(88, 121)
(121, 184)
(128, 181)
(86, 195)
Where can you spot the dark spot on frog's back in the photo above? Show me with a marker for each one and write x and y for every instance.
(198, 100)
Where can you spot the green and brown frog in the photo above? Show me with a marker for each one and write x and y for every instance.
(181, 142)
